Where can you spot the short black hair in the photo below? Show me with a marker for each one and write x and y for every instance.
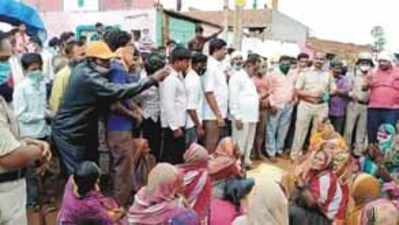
(70, 45)
(154, 62)
(31, 58)
(66, 36)
(252, 59)
(86, 176)
(54, 42)
(198, 57)
(12, 32)
(216, 44)
(303, 56)
(199, 29)
(284, 58)
(116, 38)
(36, 40)
(179, 53)
(98, 24)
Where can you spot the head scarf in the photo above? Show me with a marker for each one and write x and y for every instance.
(385, 137)
(267, 204)
(365, 188)
(196, 153)
(327, 160)
(197, 182)
(157, 202)
(225, 161)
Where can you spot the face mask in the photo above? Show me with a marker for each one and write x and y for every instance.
(35, 76)
(237, 66)
(284, 68)
(5, 72)
(201, 70)
(364, 68)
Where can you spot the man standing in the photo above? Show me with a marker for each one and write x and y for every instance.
(313, 88)
(198, 42)
(15, 155)
(75, 52)
(216, 94)
(89, 93)
(281, 89)
(244, 106)
(339, 102)
(174, 107)
(30, 106)
(195, 96)
(383, 106)
(356, 116)
(120, 122)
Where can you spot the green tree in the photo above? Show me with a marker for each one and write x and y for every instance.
(379, 41)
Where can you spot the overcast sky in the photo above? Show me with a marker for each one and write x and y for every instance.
(341, 20)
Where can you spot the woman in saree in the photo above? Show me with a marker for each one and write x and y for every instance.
(383, 160)
(196, 180)
(159, 202)
(321, 198)
(369, 208)
(224, 164)
(83, 202)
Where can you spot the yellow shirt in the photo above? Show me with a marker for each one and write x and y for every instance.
(60, 83)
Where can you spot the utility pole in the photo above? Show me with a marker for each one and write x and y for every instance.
(179, 5)
(239, 6)
(226, 19)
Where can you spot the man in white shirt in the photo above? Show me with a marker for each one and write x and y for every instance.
(173, 107)
(216, 94)
(244, 106)
(195, 95)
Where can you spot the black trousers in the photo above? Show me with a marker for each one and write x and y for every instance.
(338, 123)
(172, 148)
(152, 132)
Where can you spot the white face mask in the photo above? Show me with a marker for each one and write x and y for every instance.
(237, 66)
(364, 68)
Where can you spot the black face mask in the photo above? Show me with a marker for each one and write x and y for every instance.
(201, 70)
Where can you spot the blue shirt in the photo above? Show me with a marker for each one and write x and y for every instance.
(118, 123)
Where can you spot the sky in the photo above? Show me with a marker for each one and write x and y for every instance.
(340, 20)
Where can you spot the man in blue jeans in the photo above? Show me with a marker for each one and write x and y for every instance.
(281, 86)
(383, 86)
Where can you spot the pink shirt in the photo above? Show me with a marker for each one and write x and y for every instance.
(384, 89)
(260, 84)
(281, 89)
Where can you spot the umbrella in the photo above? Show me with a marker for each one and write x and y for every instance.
(15, 13)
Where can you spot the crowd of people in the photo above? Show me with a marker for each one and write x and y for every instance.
(183, 125)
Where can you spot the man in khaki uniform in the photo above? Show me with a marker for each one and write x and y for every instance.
(313, 88)
(15, 155)
(356, 116)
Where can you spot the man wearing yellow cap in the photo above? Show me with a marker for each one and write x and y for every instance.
(89, 93)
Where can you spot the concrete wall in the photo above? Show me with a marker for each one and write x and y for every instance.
(286, 29)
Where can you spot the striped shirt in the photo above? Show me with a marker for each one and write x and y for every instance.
(331, 196)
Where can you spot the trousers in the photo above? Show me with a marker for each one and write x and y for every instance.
(212, 135)
(173, 148)
(377, 117)
(13, 203)
(307, 114)
(356, 122)
(277, 130)
(122, 152)
(245, 139)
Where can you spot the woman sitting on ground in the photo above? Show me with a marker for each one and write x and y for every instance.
(321, 199)
(83, 202)
(159, 202)
(224, 164)
(368, 207)
(383, 160)
(226, 210)
(197, 182)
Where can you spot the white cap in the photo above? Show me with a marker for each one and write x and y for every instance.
(237, 54)
(365, 55)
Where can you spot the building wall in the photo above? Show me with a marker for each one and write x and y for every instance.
(57, 5)
(284, 28)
